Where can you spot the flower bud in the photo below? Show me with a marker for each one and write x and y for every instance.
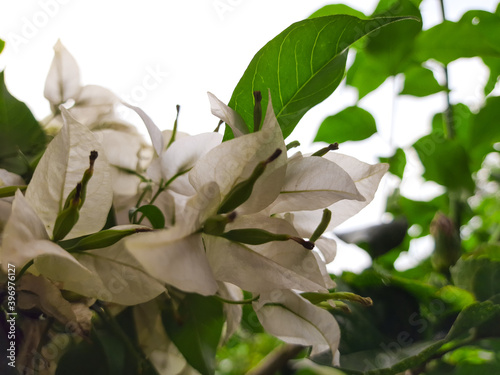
(242, 191)
(103, 238)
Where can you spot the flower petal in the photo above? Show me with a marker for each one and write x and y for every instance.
(61, 168)
(366, 178)
(63, 80)
(313, 183)
(294, 320)
(228, 115)
(176, 260)
(234, 161)
(123, 279)
(240, 265)
(153, 130)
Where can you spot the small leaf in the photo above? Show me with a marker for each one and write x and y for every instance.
(301, 66)
(196, 328)
(445, 161)
(350, 124)
(420, 81)
(397, 163)
(2, 45)
(152, 213)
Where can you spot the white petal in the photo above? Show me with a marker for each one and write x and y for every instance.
(327, 247)
(92, 104)
(174, 259)
(182, 155)
(366, 177)
(234, 161)
(240, 265)
(153, 130)
(23, 227)
(232, 312)
(10, 179)
(61, 168)
(287, 254)
(123, 279)
(313, 183)
(297, 321)
(228, 115)
(63, 80)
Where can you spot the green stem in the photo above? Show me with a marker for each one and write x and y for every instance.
(162, 188)
(24, 269)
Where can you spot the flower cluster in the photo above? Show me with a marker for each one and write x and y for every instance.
(111, 220)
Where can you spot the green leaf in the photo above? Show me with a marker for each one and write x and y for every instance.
(152, 213)
(195, 328)
(472, 316)
(301, 66)
(366, 74)
(482, 132)
(397, 357)
(333, 9)
(420, 81)
(445, 161)
(493, 65)
(2, 45)
(86, 358)
(397, 162)
(22, 136)
(476, 34)
(479, 273)
(392, 45)
(351, 124)
(403, 353)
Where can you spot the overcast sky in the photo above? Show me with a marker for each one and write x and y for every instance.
(183, 49)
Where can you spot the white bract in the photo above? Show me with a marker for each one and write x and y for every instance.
(107, 274)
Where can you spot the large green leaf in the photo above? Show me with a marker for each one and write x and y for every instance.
(301, 66)
(20, 132)
(351, 124)
(445, 161)
(476, 34)
(333, 9)
(195, 328)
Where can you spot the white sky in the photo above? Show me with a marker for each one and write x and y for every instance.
(183, 49)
